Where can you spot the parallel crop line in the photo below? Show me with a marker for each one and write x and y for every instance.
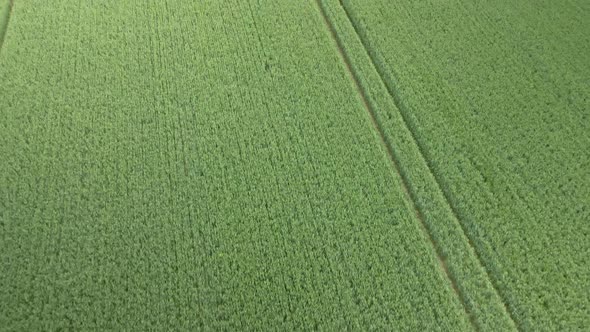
(412, 129)
(394, 160)
(4, 21)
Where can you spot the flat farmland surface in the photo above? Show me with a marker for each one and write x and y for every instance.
(496, 95)
(294, 165)
(199, 166)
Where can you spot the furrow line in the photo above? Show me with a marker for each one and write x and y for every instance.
(394, 161)
(4, 22)
(412, 129)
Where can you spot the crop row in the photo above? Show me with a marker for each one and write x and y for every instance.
(199, 165)
(495, 99)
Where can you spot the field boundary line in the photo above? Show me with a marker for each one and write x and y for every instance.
(412, 129)
(4, 22)
(353, 75)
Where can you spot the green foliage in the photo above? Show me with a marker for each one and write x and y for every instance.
(237, 165)
(482, 301)
(495, 95)
(4, 17)
(199, 165)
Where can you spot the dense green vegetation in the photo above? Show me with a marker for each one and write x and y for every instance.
(294, 165)
(495, 95)
(199, 165)
(484, 304)
(4, 15)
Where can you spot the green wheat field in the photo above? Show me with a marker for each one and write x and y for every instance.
(329, 165)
